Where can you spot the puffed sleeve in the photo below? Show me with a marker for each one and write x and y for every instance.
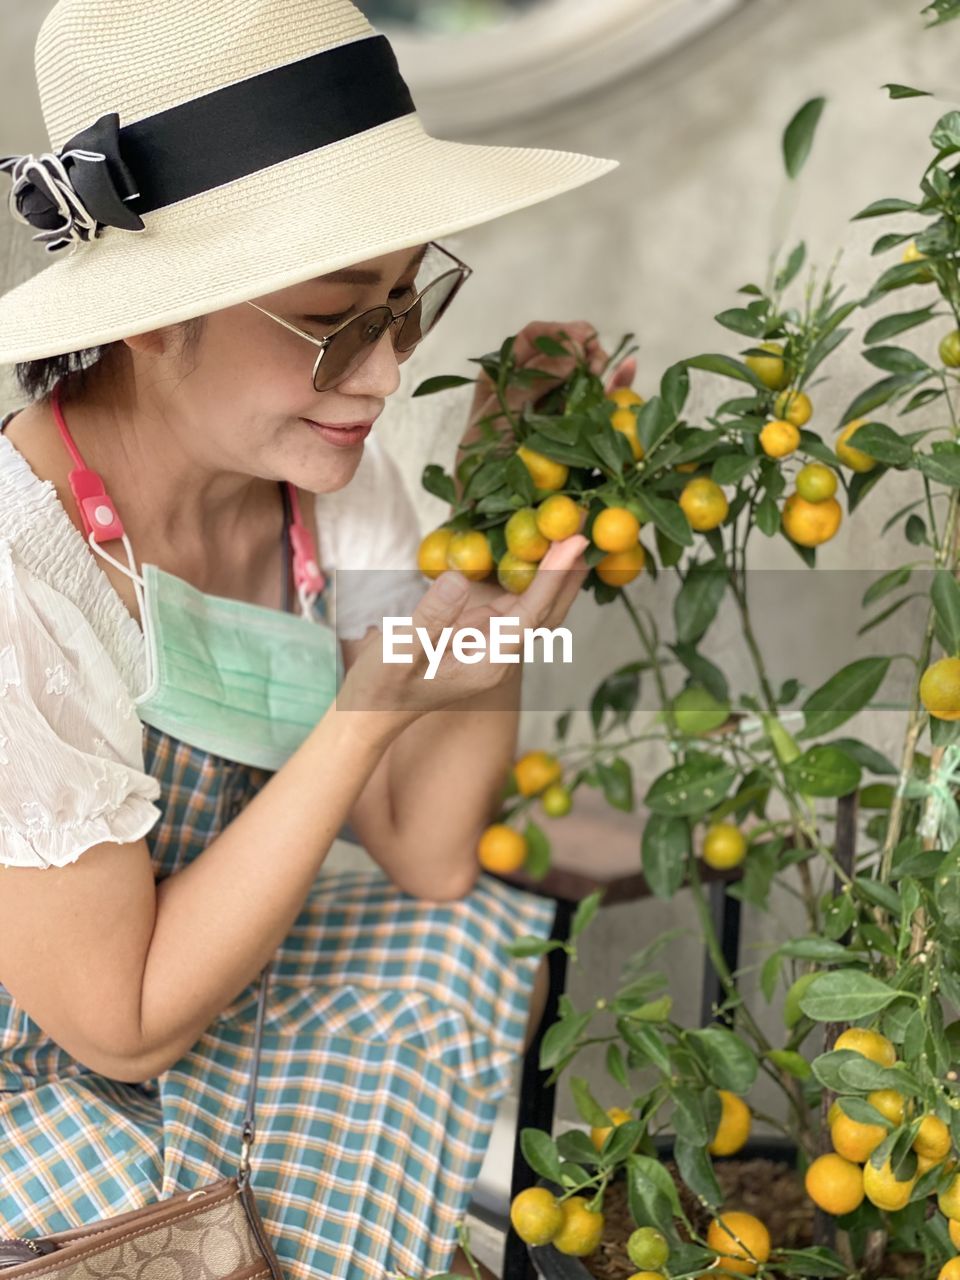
(369, 535)
(71, 756)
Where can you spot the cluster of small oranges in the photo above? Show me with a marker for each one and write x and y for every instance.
(502, 850)
(570, 1225)
(839, 1181)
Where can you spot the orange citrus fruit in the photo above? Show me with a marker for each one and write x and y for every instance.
(734, 1127)
(536, 1215)
(794, 406)
(883, 1189)
(432, 555)
(778, 439)
(891, 1104)
(558, 517)
(615, 529)
(515, 574)
(724, 846)
(769, 369)
(949, 1200)
(599, 1134)
(544, 472)
(704, 504)
(625, 421)
(954, 1228)
(940, 689)
(810, 523)
(911, 253)
(581, 1231)
(556, 800)
(835, 1184)
(501, 849)
(742, 1241)
(869, 1044)
(523, 536)
(853, 1140)
(535, 771)
(469, 553)
(620, 567)
(933, 1139)
(950, 1270)
(624, 397)
(848, 454)
(816, 483)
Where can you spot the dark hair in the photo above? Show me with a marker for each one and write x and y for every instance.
(37, 378)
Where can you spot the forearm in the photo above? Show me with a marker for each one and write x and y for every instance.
(221, 918)
(446, 774)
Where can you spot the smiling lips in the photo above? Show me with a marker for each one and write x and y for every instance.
(343, 434)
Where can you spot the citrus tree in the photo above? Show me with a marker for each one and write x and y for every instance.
(865, 1066)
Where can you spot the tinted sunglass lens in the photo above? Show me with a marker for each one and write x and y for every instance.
(350, 347)
(427, 310)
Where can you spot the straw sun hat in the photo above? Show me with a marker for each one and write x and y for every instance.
(203, 152)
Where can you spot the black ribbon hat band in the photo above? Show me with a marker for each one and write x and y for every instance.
(108, 176)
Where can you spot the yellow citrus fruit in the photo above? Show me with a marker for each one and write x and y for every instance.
(869, 1044)
(809, 524)
(535, 771)
(536, 1215)
(882, 1188)
(581, 1231)
(926, 1163)
(950, 1270)
(724, 846)
(734, 1127)
(615, 529)
(949, 1200)
(558, 517)
(853, 1140)
(501, 849)
(599, 1134)
(647, 1247)
(556, 800)
(816, 483)
(646, 1275)
(911, 253)
(778, 439)
(620, 567)
(523, 536)
(515, 574)
(850, 456)
(794, 406)
(624, 397)
(891, 1104)
(933, 1139)
(940, 689)
(769, 369)
(432, 555)
(742, 1241)
(835, 1184)
(469, 553)
(544, 472)
(625, 421)
(950, 349)
(704, 504)
(954, 1228)
(686, 468)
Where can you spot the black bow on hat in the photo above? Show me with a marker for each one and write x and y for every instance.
(72, 194)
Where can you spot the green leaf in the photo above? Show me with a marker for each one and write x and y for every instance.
(550, 346)
(540, 1152)
(890, 326)
(820, 949)
(731, 467)
(585, 912)
(883, 208)
(845, 995)
(667, 516)
(644, 1171)
(674, 389)
(940, 466)
(904, 91)
(871, 759)
(691, 788)
(841, 697)
(896, 360)
(617, 693)
(561, 1038)
(823, 771)
(616, 1067)
(799, 133)
(589, 1108)
(885, 584)
(665, 848)
(616, 779)
(767, 516)
(520, 480)
(791, 267)
(793, 1063)
(441, 383)
(697, 711)
(698, 600)
(436, 481)
(697, 1171)
(946, 132)
(646, 1041)
(730, 1062)
(882, 443)
(740, 320)
(945, 594)
(879, 393)
(726, 366)
(704, 672)
(537, 862)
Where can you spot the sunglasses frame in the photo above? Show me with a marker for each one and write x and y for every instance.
(461, 269)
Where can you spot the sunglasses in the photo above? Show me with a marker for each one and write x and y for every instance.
(344, 349)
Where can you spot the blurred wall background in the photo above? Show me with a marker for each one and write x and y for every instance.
(658, 247)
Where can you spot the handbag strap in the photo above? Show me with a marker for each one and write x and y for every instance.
(249, 1130)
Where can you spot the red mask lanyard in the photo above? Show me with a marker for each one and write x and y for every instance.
(102, 523)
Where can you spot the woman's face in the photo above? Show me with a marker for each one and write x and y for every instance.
(251, 397)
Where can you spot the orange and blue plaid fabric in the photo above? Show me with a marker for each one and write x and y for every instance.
(391, 1034)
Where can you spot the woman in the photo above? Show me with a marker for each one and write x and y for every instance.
(243, 191)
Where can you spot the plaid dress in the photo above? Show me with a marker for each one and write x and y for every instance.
(391, 1033)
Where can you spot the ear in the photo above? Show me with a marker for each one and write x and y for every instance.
(155, 342)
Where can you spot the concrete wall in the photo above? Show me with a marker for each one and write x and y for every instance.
(659, 247)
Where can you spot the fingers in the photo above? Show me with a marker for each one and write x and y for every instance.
(539, 599)
(623, 375)
(442, 604)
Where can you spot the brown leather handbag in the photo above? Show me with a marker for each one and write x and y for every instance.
(213, 1233)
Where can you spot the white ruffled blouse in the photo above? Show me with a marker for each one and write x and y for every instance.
(72, 657)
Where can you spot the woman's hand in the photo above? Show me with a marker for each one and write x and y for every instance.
(451, 604)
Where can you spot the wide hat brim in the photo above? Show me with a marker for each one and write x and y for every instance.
(389, 188)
